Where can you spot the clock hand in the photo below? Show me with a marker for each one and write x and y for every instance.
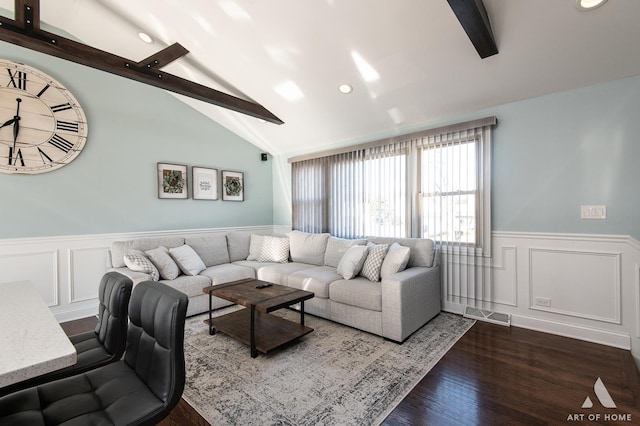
(16, 129)
(6, 123)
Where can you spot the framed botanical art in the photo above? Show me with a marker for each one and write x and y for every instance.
(172, 181)
(232, 186)
(204, 183)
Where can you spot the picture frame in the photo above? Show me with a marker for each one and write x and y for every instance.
(204, 182)
(232, 186)
(172, 181)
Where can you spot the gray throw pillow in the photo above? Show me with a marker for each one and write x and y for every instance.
(373, 263)
(162, 260)
(137, 261)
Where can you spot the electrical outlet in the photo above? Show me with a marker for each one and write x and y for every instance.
(543, 301)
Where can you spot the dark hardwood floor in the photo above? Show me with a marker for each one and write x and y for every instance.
(496, 375)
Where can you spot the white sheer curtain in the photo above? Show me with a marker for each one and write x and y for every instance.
(432, 184)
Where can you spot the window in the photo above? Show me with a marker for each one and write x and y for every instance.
(449, 184)
(433, 184)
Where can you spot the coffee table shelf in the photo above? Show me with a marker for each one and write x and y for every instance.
(271, 331)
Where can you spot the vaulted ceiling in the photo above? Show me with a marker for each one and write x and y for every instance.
(290, 56)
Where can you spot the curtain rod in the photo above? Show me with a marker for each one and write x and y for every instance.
(473, 124)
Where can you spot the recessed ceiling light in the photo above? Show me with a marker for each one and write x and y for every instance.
(589, 4)
(145, 37)
(345, 88)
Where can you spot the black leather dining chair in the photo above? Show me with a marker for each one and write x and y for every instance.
(98, 347)
(140, 389)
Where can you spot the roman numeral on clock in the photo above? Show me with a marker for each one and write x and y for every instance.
(61, 107)
(17, 79)
(19, 156)
(60, 143)
(67, 125)
(44, 89)
(43, 155)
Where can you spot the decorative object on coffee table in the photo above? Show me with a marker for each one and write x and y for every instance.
(205, 183)
(232, 186)
(254, 325)
(172, 181)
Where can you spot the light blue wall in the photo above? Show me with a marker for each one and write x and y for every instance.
(557, 152)
(112, 185)
(550, 155)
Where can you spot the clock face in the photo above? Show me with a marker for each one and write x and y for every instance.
(43, 127)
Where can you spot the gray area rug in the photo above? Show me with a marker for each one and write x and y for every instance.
(336, 375)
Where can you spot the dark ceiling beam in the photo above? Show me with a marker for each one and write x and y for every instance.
(474, 19)
(25, 31)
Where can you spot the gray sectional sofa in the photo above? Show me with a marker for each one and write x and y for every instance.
(398, 301)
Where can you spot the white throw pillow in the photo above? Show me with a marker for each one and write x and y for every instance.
(162, 260)
(187, 259)
(274, 249)
(352, 261)
(395, 261)
(137, 261)
(373, 263)
(336, 247)
(255, 246)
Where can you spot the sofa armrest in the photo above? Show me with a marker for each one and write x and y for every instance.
(410, 298)
(136, 277)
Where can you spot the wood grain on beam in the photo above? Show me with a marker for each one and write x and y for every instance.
(474, 19)
(31, 37)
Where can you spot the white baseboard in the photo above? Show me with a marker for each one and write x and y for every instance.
(603, 337)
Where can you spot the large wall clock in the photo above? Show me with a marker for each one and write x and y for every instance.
(42, 125)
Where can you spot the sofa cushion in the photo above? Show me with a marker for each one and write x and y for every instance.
(352, 261)
(316, 280)
(228, 272)
(358, 292)
(212, 249)
(373, 262)
(120, 248)
(395, 261)
(278, 273)
(164, 262)
(308, 248)
(187, 259)
(238, 245)
(336, 247)
(274, 249)
(137, 261)
(422, 249)
(189, 285)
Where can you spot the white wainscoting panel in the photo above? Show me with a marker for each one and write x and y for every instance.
(39, 267)
(86, 268)
(584, 284)
(592, 283)
(67, 270)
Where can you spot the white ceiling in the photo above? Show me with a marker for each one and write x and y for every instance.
(428, 69)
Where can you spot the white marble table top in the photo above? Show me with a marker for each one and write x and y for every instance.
(32, 342)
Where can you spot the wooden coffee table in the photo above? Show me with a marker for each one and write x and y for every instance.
(254, 326)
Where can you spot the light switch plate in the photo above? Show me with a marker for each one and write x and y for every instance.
(593, 212)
